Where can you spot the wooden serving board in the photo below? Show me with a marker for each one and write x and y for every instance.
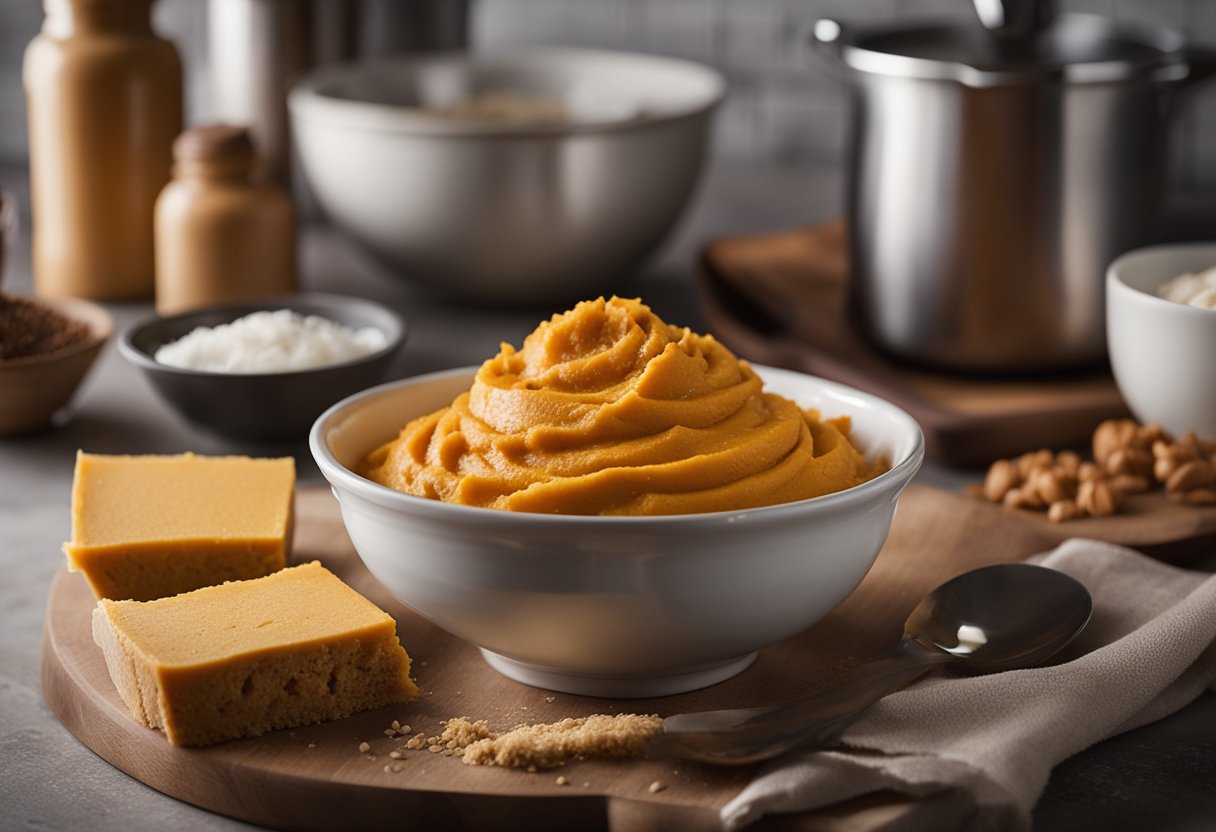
(314, 778)
(781, 299)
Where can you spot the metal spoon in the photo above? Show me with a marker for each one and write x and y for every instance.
(994, 618)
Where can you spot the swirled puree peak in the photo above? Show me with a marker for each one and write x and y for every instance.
(606, 409)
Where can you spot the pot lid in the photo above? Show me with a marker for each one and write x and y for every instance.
(1075, 48)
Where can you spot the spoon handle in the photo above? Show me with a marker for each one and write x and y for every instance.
(824, 716)
(735, 737)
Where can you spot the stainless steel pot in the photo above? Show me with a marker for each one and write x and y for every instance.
(992, 180)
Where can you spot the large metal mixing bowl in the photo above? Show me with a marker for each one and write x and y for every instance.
(507, 213)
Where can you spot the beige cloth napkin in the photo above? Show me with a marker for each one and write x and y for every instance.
(1150, 649)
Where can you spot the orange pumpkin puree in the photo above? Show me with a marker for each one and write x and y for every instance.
(608, 410)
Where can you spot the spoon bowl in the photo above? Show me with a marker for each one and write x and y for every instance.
(989, 619)
(1001, 617)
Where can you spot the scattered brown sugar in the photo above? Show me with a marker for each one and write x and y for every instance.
(544, 745)
(29, 328)
(459, 733)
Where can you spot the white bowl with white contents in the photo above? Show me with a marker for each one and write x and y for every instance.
(265, 382)
(1161, 350)
(616, 606)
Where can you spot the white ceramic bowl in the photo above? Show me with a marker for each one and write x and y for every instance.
(616, 606)
(507, 213)
(1161, 350)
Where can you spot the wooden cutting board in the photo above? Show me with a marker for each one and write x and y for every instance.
(781, 299)
(314, 778)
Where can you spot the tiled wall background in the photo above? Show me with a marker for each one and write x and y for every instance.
(782, 108)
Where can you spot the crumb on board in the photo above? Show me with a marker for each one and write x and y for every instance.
(656, 787)
(364, 747)
(460, 732)
(543, 745)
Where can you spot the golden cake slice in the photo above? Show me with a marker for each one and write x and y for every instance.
(147, 527)
(247, 657)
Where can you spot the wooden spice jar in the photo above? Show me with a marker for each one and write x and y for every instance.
(104, 100)
(222, 233)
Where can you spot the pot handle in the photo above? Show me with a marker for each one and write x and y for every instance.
(826, 37)
(1186, 77)
(1201, 66)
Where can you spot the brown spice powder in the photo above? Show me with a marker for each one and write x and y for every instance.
(547, 745)
(28, 328)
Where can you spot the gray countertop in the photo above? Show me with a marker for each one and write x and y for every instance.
(48, 781)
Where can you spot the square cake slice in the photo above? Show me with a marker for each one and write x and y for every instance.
(237, 660)
(147, 527)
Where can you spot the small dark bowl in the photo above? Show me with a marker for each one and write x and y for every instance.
(262, 406)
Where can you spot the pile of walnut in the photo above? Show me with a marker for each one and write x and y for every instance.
(1128, 459)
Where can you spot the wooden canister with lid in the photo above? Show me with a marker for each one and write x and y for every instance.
(223, 233)
(104, 102)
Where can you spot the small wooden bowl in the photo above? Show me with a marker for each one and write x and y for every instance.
(34, 389)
